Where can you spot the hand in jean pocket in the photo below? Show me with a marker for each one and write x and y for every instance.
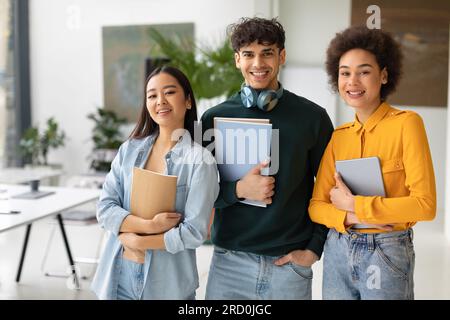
(304, 258)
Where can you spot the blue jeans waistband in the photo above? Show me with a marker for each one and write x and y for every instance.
(379, 237)
(132, 266)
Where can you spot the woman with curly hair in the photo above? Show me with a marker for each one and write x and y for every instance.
(369, 252)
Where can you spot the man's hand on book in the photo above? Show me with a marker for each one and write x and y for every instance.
(254, 186)
(341, 196)
(164, 221)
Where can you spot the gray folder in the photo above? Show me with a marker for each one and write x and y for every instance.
(363, 177)
(241, 144)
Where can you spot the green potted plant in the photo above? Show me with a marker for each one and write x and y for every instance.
(35, 146)
(29, 146)
(107, 138)
(52, 138)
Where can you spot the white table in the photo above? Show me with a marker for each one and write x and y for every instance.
(36, 209)
(33, 175)
(23, 175)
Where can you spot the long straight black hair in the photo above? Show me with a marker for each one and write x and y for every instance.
(145, 125)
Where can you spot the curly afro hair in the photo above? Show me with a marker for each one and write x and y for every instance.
(380, 43)
(249, 30)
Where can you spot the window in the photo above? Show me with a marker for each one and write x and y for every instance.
(15, 112)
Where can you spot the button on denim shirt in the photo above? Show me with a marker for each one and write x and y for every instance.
(170, 273)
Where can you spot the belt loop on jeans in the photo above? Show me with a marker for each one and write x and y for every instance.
(370, 242)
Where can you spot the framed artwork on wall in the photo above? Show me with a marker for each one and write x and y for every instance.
(422, 28)
(126, 54)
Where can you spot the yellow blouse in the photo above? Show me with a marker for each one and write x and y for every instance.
(399, 140)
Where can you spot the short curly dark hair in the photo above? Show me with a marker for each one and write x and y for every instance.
(380, 43)
(249, 30)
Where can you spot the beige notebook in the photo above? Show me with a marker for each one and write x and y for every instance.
(152, 193)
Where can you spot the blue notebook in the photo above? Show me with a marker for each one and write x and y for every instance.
(241, 144)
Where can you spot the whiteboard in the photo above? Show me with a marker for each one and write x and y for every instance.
(311, 83)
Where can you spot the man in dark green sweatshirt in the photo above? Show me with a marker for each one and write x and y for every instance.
(267, 253)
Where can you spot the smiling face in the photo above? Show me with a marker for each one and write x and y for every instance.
(259, 64)
(166, 101)
(360, 80)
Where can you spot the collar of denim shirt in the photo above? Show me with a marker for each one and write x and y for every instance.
(183, 144)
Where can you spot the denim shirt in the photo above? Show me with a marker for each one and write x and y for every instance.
(170, 273)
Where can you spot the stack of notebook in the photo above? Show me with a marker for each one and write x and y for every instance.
(241, 144)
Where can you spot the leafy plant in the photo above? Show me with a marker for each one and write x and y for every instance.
(29, 146)
(35, 146)
(106, 137)
(51, 138)
(212, 72)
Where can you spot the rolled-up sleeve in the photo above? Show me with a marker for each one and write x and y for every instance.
(321, 210)
(110, 211)
(202, 192)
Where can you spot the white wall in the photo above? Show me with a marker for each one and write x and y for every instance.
(310, 25)
(298, 81)
(66, 55)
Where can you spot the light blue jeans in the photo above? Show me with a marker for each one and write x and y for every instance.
(245, 276)
(368, 266)
(131, 280)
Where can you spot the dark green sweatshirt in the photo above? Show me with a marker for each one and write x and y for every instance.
(304, 132)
